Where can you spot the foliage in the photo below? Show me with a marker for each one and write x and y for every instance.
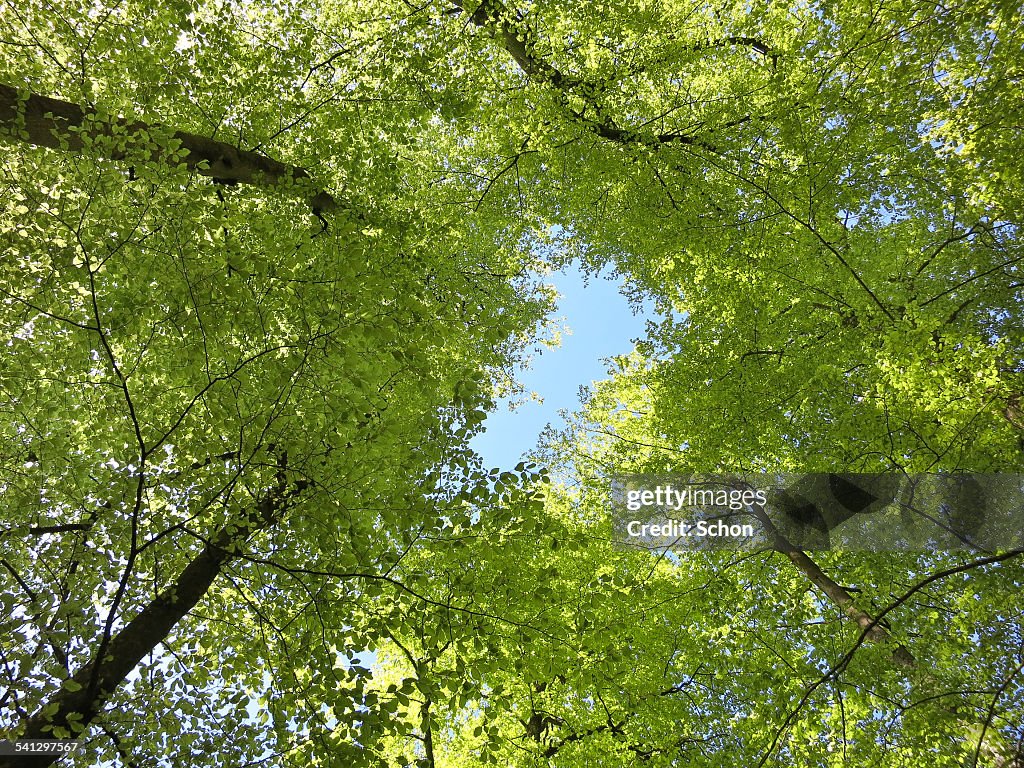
(242, 523)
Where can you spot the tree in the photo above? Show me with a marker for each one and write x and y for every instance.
(225, 422)
(836, 266)
(272, 266)
(836, 258)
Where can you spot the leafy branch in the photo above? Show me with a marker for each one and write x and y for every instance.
(57, 124)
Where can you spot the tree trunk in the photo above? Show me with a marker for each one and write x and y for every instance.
(835, 592)
(97, 680)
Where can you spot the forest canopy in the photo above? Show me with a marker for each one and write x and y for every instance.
(267, 267)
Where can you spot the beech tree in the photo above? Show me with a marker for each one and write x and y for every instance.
(266, 268)
(234, 399)
(835, 258)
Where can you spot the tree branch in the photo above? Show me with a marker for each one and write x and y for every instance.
(491, 14)
(57, 124)
(865, 636)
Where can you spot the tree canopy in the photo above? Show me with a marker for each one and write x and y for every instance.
(267, 267)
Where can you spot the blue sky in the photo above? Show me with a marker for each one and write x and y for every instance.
(599, 323)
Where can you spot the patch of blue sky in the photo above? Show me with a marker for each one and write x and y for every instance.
(598, 323)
